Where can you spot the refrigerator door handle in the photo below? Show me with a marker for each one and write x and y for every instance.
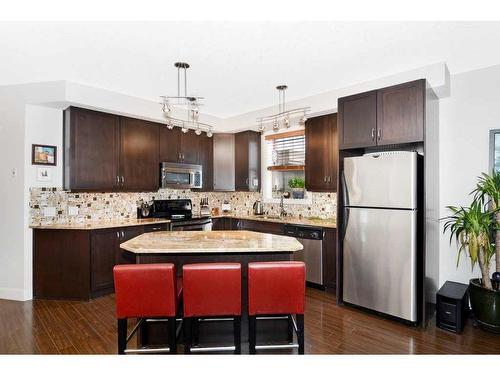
(345, 193)
(345, 222)
(345, 203)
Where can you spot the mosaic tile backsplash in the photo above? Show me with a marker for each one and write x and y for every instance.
(116, 206)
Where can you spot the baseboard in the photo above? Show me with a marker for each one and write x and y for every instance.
(13, 294)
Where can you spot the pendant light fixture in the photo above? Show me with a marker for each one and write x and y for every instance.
(284, 117)
(189, 103)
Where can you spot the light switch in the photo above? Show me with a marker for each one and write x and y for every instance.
(49, 211)
(72, 210)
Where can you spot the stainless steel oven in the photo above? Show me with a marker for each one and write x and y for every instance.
(193, 224)
(181, 176)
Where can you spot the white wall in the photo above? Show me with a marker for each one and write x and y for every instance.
(466, 118)
(437, 75)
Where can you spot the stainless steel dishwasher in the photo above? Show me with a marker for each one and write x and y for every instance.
(312, 255)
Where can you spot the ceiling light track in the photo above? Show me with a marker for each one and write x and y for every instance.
(283, 117)
(190, 103)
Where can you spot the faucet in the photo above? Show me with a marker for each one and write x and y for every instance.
(282, 206)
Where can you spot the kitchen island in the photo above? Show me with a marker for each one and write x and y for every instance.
(213, 246)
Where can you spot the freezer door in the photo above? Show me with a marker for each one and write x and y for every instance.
(379, 268)
(385, 179)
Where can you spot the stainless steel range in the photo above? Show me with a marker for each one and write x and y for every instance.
(180, 212)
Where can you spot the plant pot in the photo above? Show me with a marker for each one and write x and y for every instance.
(485, 304)
(298, 193)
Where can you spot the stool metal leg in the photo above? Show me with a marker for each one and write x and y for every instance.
(188, 334)
(290, 329)
(196, 332)
(300, 332)
(252, 333)
(237, 334)
(172, 335)
(122, 335)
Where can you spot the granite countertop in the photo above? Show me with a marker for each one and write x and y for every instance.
(315, 222)
(102, 224)
(210, 242)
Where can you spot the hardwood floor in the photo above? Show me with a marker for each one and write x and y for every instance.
(51, 327)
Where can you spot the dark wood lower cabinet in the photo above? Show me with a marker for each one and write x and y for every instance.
(329, 242)
(78, 264)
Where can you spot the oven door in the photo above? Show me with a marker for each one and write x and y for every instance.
(205, 225)
(178, 178)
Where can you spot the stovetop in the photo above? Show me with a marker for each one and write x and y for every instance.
(173, 209)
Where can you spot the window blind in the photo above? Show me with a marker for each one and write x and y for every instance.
(289, 150)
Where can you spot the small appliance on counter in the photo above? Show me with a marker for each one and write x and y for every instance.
(144, 208)
(204, 209)
(258, 207)
(226, 207)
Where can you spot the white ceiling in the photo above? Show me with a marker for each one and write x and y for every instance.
(236, 66)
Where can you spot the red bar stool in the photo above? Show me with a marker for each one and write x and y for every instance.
(211, 292)
(146, 292)
(276, 288)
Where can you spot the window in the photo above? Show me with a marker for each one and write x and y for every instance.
(494, 150)
(285, 161)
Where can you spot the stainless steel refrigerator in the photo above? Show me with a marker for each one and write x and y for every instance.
(380, 226)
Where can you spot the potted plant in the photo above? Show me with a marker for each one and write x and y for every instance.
(472, 227)
(297, 185)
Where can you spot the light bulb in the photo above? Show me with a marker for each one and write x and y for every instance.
(209, 134)
(166, 109)
(261, 127)
(286, 122)
(302, 120)
(276, 126)
(184, 129)
(170, 124)
(197, 131)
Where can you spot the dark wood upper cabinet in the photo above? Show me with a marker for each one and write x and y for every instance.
(91, 150)
(247, 161)
(389, 116)
(179, 147)
(170, 144)
(190, 147)
(104, 152)
(400, 113)
(139, 147)
(206, 159)
(357, 116)
(321, 153)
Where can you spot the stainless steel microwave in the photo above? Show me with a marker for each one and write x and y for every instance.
(181, 176)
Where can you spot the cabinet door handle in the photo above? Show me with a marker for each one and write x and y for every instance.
(247, 181)
(117, 180)
(379, 133)
(123, 180)
(117, 234)
(324, 179)
(373, 134)
(123, 234)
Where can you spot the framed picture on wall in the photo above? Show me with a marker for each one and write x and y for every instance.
(43, 155)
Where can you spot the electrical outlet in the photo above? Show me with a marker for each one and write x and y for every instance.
(49, 211)
(72, 210)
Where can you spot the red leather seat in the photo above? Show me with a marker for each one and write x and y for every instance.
(212, 289)
(146, 290)
(277, 288)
